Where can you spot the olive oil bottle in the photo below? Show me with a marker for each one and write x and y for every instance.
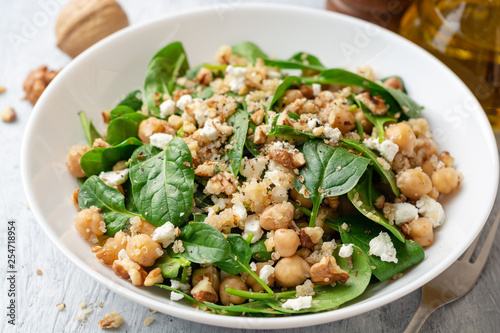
(465, 35)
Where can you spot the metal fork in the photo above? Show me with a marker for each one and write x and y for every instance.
(454, 282)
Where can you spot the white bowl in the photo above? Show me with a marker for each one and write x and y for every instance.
(102, 75)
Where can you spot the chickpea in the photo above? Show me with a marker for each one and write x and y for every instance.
(428, 146)
(343, 120)
(291, 96)
(394, 83)
(252, 283)
(233, 282)
(413, 183)
(297, 197)
(402, 135)
(143, 250)
(73, 160)
(277, 216)
(445, 180)
(89, 221)
(117, 243)
(365, 123)
(428, 167)
(210, 272)
(420, 230)
(147, 228)
(291, 271)
(286, 242)
(151, 126)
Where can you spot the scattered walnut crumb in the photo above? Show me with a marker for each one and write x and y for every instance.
(83, 317)
(2, 89)
(38, 272)
(148, 321)
(82, 305)
(60, 306)
(100, 304)
(37, 81)
(8, 115)
(153, 311)
(111, 320)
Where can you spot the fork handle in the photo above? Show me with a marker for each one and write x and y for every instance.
(423, 312)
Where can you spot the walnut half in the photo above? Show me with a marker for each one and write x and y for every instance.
(327, 272)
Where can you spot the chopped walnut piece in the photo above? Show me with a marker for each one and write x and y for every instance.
(127, 269)
(327, 272)
(153, 277)
(148, 321)
(204, 291)
(204, 76)
(376, 104)
(207, 169)
(37, 81)
(258, 117)
(111, 320)
(310, 237)
(38, 272)
(100, 143)
(106, 255)
(60, 306)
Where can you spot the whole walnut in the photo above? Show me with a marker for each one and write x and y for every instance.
(37, 81)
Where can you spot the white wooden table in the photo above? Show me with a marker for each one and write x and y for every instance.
(27, 41)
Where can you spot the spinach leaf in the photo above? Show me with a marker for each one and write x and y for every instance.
(387, 175)
(289, 132)
(127, 112)
(199, 217)
(163, 185)
(192, 72)
(377, 121)
(88, 128)
(170, 266)
(207, 92)
(397, 100)
(111, 202)
(163, 70)
(240, 256)
(299, 60)
(249, 51)
(132, 101)
(400, 79)
(102, 159)
(259, 250)
(361, 231)
(362, 196)
(143, 153)
(239, 122)
(203, 244)
(249, 144)
(329, 171)
(121, 128)
(282, 88)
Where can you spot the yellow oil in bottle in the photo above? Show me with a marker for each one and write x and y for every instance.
(465, 35)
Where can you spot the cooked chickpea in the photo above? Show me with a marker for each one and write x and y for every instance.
(291, 271)
(413, 183)
(89, 221)
(428, 167)
(151, 126)
(252, 283)
(117, 243)
(297, 197)
(394, 83)
(286, 242)
(365, 123)
(233, 282)
(445, 180)
(147, 228)
(402, 135)
(291, 96)
(143, 250)
(277, 216)
(210, 272)
(343, 120)
(428, 146)
(73, 160)
(420, 230)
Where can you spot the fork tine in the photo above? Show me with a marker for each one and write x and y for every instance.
(485, 250)
(468, 254)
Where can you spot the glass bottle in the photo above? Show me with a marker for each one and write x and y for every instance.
(465, 35)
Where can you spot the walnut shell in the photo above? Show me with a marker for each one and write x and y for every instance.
(84, 22)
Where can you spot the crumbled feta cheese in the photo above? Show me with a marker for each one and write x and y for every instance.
(382, 247)
(296, 304)
(431, 209)
(122, 255)
(346, 250)
(253, 168)
(160, 140)
(167, 108)
(253, 266)
(183, 101)
(404, 212)
(273, 75)
(185, 287)
(387, 148)
(209, 131)
(332, 133)
(221, 202)
(114, 178)
(237, 75)
(252, 226)
(174, 296)
(200, 111)
(265, 273)
(165, 234)
(240, 211)
(316, 88)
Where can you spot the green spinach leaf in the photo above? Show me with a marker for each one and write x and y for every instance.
(143, 153)
(163, 185)
(249, 144)
(377, 121)
(329, 171)
(282, 88)
(101, 159)
(111, 202)
(249, 51)
(163, 70)
(132, 101)
(259, 250)
(299, 60)
(289, 132)
(240, 256)
(88, 128)
(170, 266)
(203, 244)
(239, 122)
(121, 128)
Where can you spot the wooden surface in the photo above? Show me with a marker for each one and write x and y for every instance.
(21, 50)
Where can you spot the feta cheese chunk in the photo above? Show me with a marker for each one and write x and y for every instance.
(165, 234)
(332, 133)
(296, 304)
(381, 246)
(160, 140)
(405, 212)
(388, 149)
(265, 273)
(237, 75)
(253, 168)
(122, 255)
(176, 296)
(431, 209)
(114, 178)
(167, 108)
(183, 101)
(240, 211)
(316, 88)
(209, 131)
(185, 287)
(346, 250)
(252, 226)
